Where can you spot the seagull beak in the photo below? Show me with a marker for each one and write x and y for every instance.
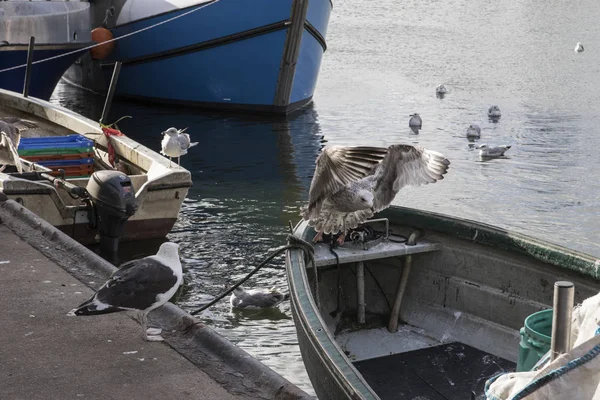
(182, 130)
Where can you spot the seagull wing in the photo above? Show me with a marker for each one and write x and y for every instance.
(14, 154)
(406, 165)
(336, 168)
(136, 284)
(184, 141)
(262, 299)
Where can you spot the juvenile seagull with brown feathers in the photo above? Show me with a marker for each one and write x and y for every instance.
(350, 184)
(10, 137)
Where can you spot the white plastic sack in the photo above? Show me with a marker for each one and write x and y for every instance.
(575, 375)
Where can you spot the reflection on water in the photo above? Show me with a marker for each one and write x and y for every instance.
(250, 176)
(383, 62)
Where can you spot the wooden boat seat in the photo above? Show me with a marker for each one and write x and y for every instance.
(349, 253)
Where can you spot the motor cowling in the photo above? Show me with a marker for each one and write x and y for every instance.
(113, 196)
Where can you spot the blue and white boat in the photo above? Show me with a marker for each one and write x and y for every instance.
(259, 55)
(59, 27)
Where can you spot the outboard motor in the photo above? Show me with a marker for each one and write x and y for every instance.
(113, 196)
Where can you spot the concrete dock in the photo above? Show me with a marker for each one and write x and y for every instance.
(47, 355)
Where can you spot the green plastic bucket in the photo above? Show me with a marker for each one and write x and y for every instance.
(535, 339)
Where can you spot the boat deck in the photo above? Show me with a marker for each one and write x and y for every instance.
(450, 371)
(45, 127)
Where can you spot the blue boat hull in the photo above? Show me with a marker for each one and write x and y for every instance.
(260, 55)
(44, 76)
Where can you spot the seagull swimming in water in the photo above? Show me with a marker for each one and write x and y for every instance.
(415, 121)
(139, 285)
(175, 143)
(473, 131)
(441, 90)
(350, 184)
(578, 47)
(488, 152)
(10, 137)
(256, 298)
(494, 112)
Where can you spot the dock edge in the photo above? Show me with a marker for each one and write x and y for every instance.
(232, 367)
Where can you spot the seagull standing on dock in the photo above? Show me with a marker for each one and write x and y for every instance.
(254, 299)
(139, 285)
(175, 143)
(10, 137)
(350, 184)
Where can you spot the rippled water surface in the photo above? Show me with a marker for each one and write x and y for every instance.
(383, 62)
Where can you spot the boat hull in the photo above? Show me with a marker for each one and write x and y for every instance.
(59, 27)
(260, 56)
(44, 76)
(475, 285)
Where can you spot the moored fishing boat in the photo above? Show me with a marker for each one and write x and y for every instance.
(431, 311)
(59, 28)
(145, 182)
(260, 55)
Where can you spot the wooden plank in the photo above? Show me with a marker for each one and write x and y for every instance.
(348, 253)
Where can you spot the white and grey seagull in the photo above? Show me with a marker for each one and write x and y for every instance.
(10, 137)
(578, 47)
(473, 131)
(256, 298)
(494, 112)
(486, 151)
(139, 285)
(441, 89)
(350, 184)
(175, 143)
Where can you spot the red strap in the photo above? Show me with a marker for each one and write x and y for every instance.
(108, 132)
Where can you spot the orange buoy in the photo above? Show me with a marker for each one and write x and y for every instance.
(100, 35)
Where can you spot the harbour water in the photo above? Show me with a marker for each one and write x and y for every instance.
(383, 62)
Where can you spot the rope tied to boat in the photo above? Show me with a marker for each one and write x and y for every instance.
(108, 132)
(294, 243)
(112, 40)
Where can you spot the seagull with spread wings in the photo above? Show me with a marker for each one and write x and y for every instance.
(10, 137)
(350, 184)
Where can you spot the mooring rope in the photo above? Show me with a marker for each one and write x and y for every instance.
(293, 243)
(114, 39)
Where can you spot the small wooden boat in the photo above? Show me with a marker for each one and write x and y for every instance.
(159, 189)
(428, 308)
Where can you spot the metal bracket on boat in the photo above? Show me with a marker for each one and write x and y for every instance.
(360, 239)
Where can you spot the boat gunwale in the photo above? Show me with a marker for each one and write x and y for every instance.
(318, 334)
(461, 228)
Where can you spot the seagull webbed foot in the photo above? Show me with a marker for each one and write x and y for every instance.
(153, 331)
(154, 338)
(340, 239)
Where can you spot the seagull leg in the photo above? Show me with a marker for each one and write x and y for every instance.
(149, 335)
(3, 168)
(318, 237)
(178, 158)
(341, 238)
(169, 161)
